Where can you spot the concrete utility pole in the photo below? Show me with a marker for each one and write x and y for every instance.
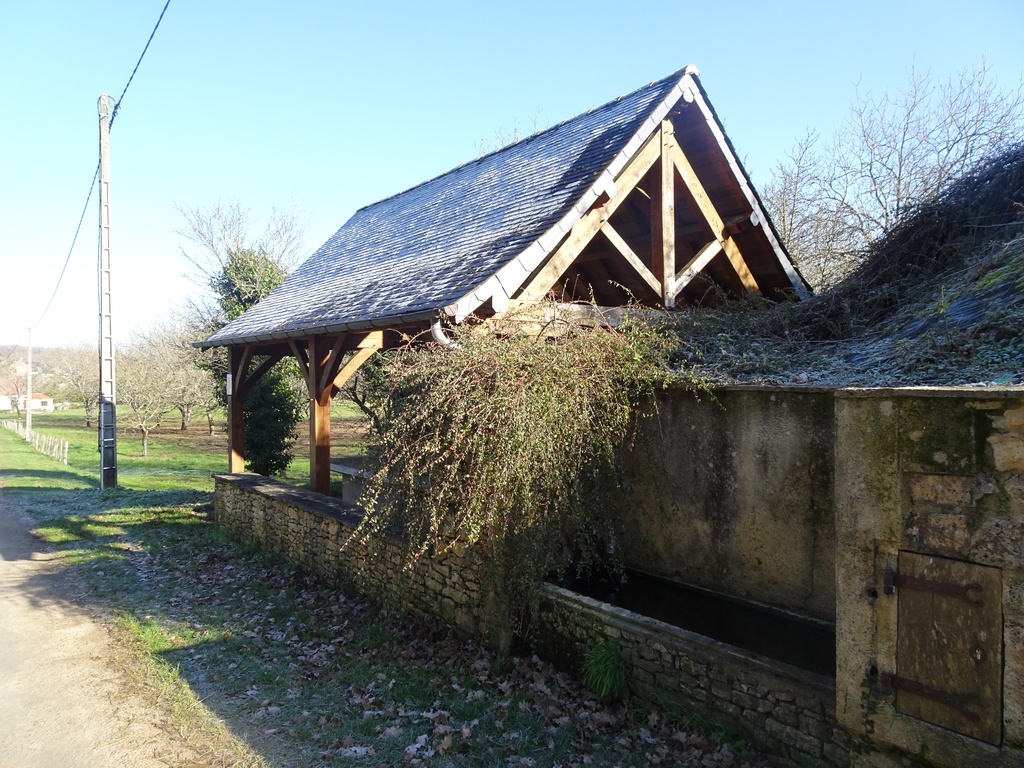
(108, 413)
(28, 387)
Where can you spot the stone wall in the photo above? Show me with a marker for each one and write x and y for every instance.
(313, 532)
(733, 492)
(787, 711)
(931, 479)
(763, 494)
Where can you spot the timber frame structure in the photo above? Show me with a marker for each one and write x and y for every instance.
(640, 200)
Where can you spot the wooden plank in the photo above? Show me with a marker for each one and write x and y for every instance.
(236, 422)
(302, 358)
(260, 371)
(693, 267)
(630, 256)
(739, 265)
(364, 351)
(584, 230)
(700, 198)
(663, 218)
(695, 188)
(239, 367)
(951, 644)
(319, 419)
(329, 366)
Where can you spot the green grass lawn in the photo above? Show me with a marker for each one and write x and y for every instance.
(180, 460)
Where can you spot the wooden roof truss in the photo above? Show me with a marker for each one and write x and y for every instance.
(660, 239)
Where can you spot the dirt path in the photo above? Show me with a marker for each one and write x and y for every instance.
(64, 702)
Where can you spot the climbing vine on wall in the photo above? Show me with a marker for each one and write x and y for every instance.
(508, 440)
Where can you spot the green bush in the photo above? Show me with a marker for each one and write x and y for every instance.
(510, 440)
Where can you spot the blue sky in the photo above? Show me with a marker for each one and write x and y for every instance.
(329, 106)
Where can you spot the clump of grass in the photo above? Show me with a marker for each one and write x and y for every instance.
(606, 670)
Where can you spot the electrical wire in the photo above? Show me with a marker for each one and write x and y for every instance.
(10, 354)
(117, 104)
(74, 240)
(95, 176)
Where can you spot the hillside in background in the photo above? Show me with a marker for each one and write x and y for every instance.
(938, 301)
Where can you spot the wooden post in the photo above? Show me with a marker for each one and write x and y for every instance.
(663, 220)
(319, 386)
(236, 423)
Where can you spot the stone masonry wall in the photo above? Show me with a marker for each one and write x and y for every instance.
(733, 492)
(783, 709)
(312, 531)
(931, 475)
(787, 711)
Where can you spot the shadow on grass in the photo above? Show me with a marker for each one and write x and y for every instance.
(51, 477)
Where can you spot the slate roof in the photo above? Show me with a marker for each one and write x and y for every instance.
(453, 241)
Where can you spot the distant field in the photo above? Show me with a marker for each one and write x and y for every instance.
(177, 460)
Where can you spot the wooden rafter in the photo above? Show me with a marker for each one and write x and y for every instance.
(370, 343)
(301, 356)
(630, 256)
(590, 224)
(261, 369)
(674, 172)
(663, 218)
(693, 268)
(702, 201)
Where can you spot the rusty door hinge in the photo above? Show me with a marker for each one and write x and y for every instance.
(958, 701)
(892, 580)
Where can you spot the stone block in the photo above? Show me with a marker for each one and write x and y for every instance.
(1007, 452)
(941, 490)
(787, 715)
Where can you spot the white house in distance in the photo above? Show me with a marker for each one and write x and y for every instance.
(37, 403)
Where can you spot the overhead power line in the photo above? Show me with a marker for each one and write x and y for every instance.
(96, 173)
(74, 240)
(117, 104)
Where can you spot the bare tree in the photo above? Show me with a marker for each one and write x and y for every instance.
(217, 231)
(189, 384)
(237, 271)
(75, 372)
(142, 384)
(892, 153)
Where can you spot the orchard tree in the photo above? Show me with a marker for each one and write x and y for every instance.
(238, 270)
(893, 152)
(142, 385)
(75, 373)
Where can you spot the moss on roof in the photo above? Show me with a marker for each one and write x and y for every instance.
(937, 301)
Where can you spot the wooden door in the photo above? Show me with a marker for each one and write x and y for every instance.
(949, 644)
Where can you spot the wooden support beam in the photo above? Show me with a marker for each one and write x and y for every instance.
(330, 365)
(238, 362)
(630, 256)
(302, 358)
(260, 371)
(589, 225)
(693, 267)
(739, 264)
(707, 209)
(663, 218)
(319, 416)
(370, 343)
